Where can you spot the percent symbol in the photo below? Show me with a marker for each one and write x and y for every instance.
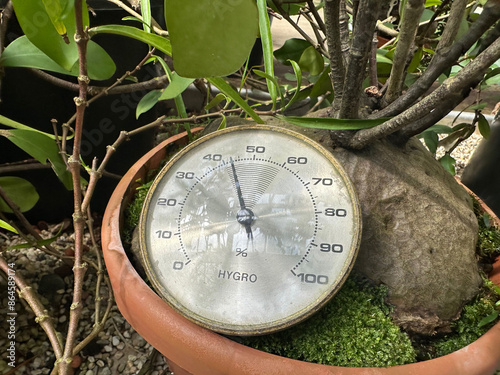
(241, 252)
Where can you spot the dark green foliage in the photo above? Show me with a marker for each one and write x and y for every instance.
(354, 329)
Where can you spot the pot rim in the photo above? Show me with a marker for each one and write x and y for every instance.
(194, 349)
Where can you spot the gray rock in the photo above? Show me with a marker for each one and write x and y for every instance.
(419, 230)
(419, 233)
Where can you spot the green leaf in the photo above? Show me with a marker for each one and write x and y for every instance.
(291, 50)
(210, 38)
(432, 3)
(216, 101)
(223, 123)
(289, 8)
(483, 126)
(42, 148)
(22, 53)
(332, 123)
(146, 15)
(267, 48)
(225, 88)
(311, 61)
(7, 226)
(270, 79)
(479, 106)
(415, 61)
(431, 140)
(488, 319)
(40, 243)
(147, 102)
(448, 163)
(382, 59)
(179, 101)
(21, 191)
(160, 43)
(37, 26)
(323, 84)
(176, 86)
(17, 125)
(492, 73)
(298, 77)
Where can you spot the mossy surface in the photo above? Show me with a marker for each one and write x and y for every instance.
(469, 327)
(488, 242)
(133, 211)
(354, 329)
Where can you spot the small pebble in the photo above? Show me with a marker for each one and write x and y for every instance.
(115, 340)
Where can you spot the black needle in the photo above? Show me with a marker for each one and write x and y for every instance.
(244, 216)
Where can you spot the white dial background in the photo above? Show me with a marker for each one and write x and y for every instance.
(291, 254)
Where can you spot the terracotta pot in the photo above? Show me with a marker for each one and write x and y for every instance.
(191, 349)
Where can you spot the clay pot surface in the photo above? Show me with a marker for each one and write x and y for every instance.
(191, 349)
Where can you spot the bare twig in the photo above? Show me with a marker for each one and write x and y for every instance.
(153, 83)
(79, 267)
(26, 292)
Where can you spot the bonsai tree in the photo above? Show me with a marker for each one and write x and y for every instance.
(375, 73)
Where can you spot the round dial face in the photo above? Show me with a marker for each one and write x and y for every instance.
(250, 229)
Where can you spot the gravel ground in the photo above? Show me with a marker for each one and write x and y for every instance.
(118, 349)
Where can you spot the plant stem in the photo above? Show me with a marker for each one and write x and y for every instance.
(409, 27)
(79, 267)
(358, 57)
(461, 81)
(443, 60)
(337, 73)
(452, 25)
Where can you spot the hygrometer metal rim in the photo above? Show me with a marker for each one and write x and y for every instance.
(237, 328)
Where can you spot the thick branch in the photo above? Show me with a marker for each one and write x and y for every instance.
(454, 20)
(409, 27)
(443, 60)
(463, 79)
(337, 74)
(445, 107)
(358, 58)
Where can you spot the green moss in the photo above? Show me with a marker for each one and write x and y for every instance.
(133, 211)
(353, 329)
(488, 242)
(470, 326)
